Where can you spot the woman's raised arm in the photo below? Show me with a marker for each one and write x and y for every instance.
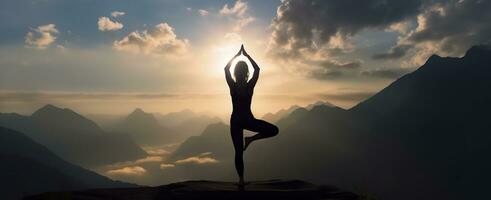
(255, 76)
(228, 76)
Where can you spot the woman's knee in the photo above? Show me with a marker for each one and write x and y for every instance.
(273, 130)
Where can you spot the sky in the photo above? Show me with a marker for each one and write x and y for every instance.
(111, 56)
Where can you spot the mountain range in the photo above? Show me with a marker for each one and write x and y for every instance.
(68, 134)
(425, 136)
(29, 168)
(145, 129)
(274, 117)
(157, 129)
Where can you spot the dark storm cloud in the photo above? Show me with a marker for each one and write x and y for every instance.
(300, 24)
(448, 28)
(331, 70)
(312, 34)
(395, 52)
(307, 32)
(457, 24)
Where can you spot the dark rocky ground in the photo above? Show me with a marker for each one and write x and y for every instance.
(270, 189)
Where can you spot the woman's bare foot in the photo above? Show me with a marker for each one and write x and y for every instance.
(241, 184)
(247, 142)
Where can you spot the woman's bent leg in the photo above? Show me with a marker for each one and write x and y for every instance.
(237, 134)
(263, 129)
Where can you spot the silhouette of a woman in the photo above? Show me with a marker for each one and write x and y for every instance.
(242, 117)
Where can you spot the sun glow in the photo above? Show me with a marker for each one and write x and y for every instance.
(223, 54)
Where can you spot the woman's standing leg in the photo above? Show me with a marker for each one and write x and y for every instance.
(237, 134)
(264, 130)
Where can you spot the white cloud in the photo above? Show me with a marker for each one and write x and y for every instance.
(166, 166)
(189, 9)
(117, 13)
(239, 9)
(42, 36)
(238, 15)
(197, 160)
(402, 27)
(203, 12)
(105, 24)
(242, 22)
(136, 170)
(160, 41)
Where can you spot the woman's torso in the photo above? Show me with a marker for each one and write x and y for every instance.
(241, 100)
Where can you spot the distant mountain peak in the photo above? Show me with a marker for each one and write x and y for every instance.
(48, 108)
(320, 103)
(138, 116)
(215, 128)
(52, 111)
(138, 111)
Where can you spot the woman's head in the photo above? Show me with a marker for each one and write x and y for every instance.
(241, 72)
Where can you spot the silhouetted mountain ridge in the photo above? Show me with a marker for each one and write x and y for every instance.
(145, 129)
(29, 168)
(425, 136)
(277, 116)
(68, 134)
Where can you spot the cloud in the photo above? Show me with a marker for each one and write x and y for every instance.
(308, 26)
(239, 9)
(159, 41)
(395, 52)
(242, 22)
(201, 159)
(149, 159)
(205, 154)
(309, 34)
(203, 12)
(331, 69)
(447, 28)
(157, 152)
(401, 27)
(42, 36)
(386, 73)
(166, 166)
(105, 24)
(132, 171)
(238, 14)
(117, 13)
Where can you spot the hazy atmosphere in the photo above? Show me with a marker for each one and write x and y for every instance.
(163, 56)
(378, 99)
